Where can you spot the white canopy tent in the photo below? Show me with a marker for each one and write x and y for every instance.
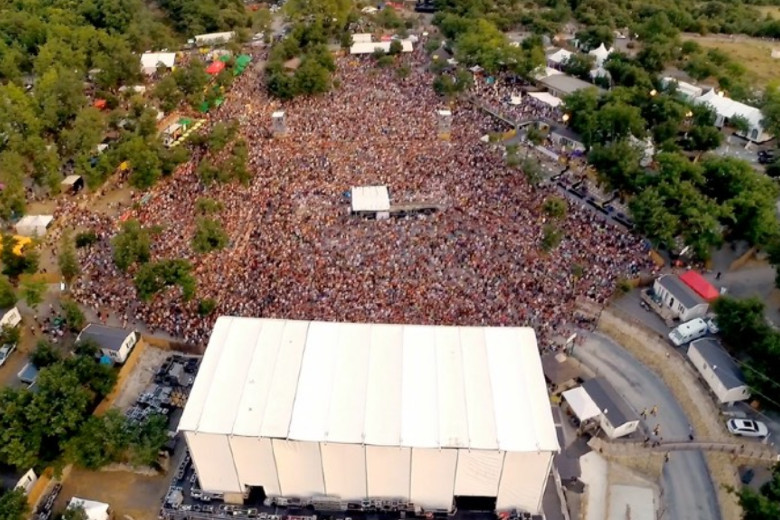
(559, 57)
(34, 225)
(362, 38)
(600, 53)
(151, 60)
(547, 98)
(726, 108)
(581, 403)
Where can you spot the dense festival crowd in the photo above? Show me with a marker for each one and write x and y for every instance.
(297, 253)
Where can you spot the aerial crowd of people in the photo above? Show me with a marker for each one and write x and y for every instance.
(295, 251)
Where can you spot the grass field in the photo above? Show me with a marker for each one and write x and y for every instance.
(754, 54)
(772, 10)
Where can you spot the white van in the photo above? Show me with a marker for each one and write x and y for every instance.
(688, 331)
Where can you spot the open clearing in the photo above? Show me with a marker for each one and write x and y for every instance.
(771, 10)
(753, 53)
(141, 376)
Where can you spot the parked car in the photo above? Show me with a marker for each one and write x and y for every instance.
(6, 351)
(766, 156)
(747, 428)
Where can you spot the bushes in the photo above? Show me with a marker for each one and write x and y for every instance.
(209, 236)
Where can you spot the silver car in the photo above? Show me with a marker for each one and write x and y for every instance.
(747, 428)
(5, 352)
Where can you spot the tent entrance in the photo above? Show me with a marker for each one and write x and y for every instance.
(475, 503)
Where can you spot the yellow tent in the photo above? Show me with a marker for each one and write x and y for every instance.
(20, 244)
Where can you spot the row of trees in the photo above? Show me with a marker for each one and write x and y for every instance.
(702, 202)
(54, 423)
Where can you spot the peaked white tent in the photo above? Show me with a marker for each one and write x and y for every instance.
(151, 60)
(559, 57)
(600, 53)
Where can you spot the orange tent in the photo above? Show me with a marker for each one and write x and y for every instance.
(215, 68)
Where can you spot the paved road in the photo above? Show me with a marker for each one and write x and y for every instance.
(688, 490)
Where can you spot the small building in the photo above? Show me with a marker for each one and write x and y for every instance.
(726, 109)
(566, 138)
(719, 371)
(687, 91)
(371, 201)
(616, 417)
(72, 184)
(214, 38)
(683, 302)
(93, 509)
(561, 85)
(34, 225)
(10, 317)
(114, 342)
(560, 371)
(150, 61)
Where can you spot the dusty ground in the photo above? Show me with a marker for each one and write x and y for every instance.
(130, 495)
(753, 53)
(141, 377)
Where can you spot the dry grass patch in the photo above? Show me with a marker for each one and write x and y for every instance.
(753, 54)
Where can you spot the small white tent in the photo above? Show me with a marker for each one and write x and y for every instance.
(34, 225)
(93, 509)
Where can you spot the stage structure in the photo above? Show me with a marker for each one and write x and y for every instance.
(279, 125)
(445, 124)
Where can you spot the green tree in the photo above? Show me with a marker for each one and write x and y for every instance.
(14, 264)
(44, 355)
(209, 236)
(13, 505)
(86, 133)
(207, 206)
(617, 165)
(153, 278)
(579, 65)
(653, 218)
(168, 92)
(555, 207)
(32, 291)
(60, 96)
(770, 108)
(75, 513)
(144, 161)
(67, 260)
(206, 306)
(221, 134)
(7, 293)
(74, 317)
(100, 441)
(131, 245)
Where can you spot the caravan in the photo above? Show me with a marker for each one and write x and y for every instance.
(688, 331)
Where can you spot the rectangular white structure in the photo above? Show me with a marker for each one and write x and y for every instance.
(369, 47)
(421, 414)
(370, 199)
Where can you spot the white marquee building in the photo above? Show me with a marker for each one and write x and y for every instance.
(422, 414)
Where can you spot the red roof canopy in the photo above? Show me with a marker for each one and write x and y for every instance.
(699, 285)
(100, 104)
(215, 67)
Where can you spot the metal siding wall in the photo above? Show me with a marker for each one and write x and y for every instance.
(523, 481)
(389, 471)
(344, 466)
(255, 463)
(214, 462)
(300, 468)
(433, 477)
(478, 473)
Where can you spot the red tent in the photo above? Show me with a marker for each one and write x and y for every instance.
(215, 68)
(100, 104)
(699, 285)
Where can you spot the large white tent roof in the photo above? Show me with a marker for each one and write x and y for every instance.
(547, 98)
(730, 108)
(387, 385)
(369, 47)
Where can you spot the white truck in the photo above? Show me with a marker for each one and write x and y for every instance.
(688, 331)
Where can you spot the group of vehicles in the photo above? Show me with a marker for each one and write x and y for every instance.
(698, 328)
